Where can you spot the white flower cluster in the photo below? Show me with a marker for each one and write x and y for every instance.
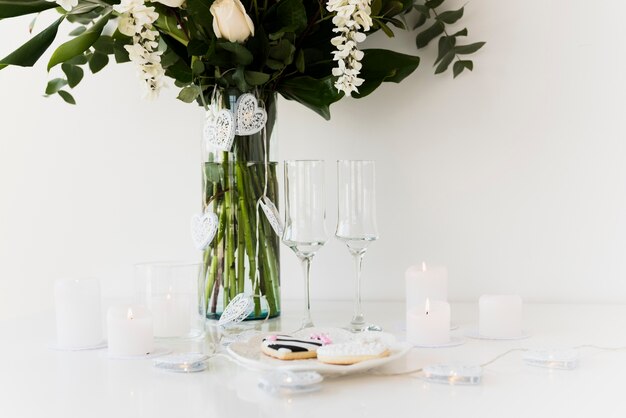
(136, 20)
(352, 16)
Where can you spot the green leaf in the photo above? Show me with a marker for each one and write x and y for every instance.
(392, 8)
(462, 32)
(292, 16)
(460, 65)
(383, 26)
(67, 97)
(55, 85)
(241, 54)
(78, 31)
(197, 67)
(445, 62)
(421, 19)
(189, 93)
(169, 25)
(73, 73)
(376, 7)
(451, 16)
(432, 4)
(446, 43)
(469, 49)
(381, 65)
(300, 62)
(424, 37)
(255, 78)
(98, 61)
(80, 44)
(283, 51)
(199, 11)
(28, 54)
(240, 79)
(316, 94)
(104, 44)
(13, 8)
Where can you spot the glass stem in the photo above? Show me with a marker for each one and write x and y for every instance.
(358, 319)
(307, 322)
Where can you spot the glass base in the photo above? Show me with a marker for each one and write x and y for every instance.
(362, 327)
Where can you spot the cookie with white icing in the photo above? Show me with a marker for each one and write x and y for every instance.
(285, 347)
(352, 352)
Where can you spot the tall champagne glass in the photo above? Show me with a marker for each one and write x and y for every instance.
(305, 216)
(356, 222)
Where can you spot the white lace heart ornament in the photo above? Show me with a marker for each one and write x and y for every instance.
(203, 229)
(219, 128)
(272, 215)
(239, 308)
(250, 117)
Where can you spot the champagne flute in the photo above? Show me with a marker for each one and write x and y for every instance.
(305, 216)
(356, 222)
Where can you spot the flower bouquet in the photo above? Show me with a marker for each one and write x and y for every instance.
(221, 54)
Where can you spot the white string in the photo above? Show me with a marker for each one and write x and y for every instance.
(499, 356)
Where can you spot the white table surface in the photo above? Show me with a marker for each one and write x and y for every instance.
(36, 381)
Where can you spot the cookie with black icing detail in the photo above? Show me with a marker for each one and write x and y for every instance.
(286, 347)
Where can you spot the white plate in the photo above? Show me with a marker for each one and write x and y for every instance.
(249, 354)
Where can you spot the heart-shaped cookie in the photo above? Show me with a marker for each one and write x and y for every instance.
(250, 118)
(219, 129)
(272, 215)
(203, 229)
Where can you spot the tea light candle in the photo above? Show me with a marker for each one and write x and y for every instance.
(430, 325)
(78, 314)
(172, 315)
(130, 331)
(500, 316)
(425, 282)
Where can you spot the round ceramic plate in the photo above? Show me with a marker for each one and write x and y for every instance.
(249, 354)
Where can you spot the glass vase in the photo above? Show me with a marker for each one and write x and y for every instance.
(244, 255)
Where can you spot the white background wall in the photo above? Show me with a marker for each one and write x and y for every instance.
(513, 176)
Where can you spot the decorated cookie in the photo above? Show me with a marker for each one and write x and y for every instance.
(352, 352)
(285, 347)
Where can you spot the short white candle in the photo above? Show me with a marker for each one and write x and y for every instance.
(78, 313)
(428, 325)
(172, 315)
(130, 331)
(500, 316)
(425, 282)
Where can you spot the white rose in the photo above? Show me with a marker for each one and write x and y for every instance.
(231, 21)
(171, 3)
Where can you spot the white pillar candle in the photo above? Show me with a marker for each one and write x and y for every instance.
(428, 325)
(78, 313)
(172, 315)
(130, 331)
(500, 316)
(425, 282)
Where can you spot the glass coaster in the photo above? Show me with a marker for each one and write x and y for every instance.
(453, 374)
(552, 359)
(287, 382)
(182, 362)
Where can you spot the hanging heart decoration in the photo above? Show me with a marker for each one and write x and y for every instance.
(239, 308)
(219, 129)
(250, 117)
(273, 216)
(203, 229)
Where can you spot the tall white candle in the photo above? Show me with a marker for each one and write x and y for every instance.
(425, 282)
(500, 316)
(130, 331)
(428, 325)
(78, 313)
(172, 315)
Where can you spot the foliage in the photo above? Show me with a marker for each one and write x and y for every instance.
(290, 52)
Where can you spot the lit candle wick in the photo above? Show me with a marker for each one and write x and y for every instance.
(427, 307)
(423, 266)
(130, 313)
